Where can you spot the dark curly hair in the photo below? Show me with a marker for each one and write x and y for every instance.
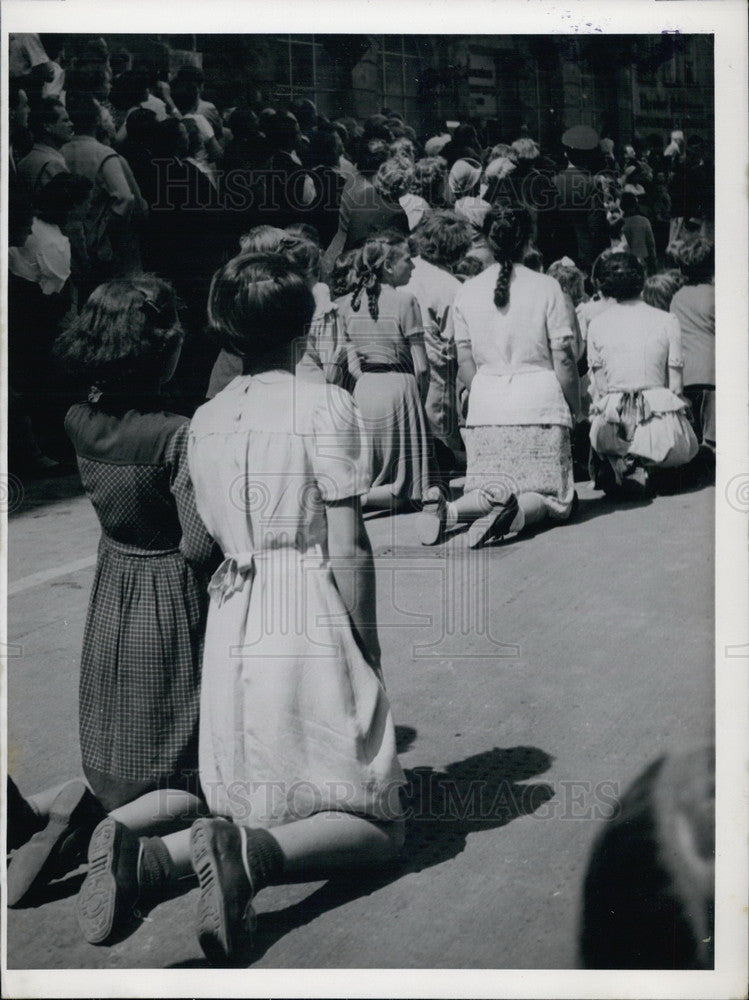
(620, 276)
(343, 275)
(376, 252)
(442, 238)
(124, 334)
(258, 304)
(430, 179)
(507, 228)
(697, 260)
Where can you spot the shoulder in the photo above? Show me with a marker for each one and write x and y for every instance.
(476, 287)
(212, 416)
(130, 438)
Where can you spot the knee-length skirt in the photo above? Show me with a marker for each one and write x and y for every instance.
(396, 432)
(140, 674)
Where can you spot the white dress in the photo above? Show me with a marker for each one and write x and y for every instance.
(293, 720)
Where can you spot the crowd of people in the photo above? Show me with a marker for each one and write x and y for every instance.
(252, 324)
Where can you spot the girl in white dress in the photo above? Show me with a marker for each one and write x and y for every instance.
(516, 354)
(297, 743)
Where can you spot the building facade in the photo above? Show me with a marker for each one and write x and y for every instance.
(623, 85)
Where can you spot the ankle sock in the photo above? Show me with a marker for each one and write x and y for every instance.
(155, 866)
(262, 857)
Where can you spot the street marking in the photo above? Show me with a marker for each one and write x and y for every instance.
(45, 575)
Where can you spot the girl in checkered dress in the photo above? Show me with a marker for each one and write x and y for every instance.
(297, 743)
(142, 646)
(140, 669)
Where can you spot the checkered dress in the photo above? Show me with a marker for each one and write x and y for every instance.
(142, 646)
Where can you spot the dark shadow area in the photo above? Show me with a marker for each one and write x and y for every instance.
(442, 808)
(405, 737)
(29, 493)
(51, 892)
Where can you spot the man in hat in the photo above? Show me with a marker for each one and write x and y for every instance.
(580, 228)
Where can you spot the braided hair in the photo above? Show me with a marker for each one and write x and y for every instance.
(375, 253)
(507, 228)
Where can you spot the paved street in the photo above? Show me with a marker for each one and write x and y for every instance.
(529, 682)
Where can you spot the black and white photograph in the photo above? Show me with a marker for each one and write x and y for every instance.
(374, 499)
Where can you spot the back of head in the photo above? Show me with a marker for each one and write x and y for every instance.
(304, 255)
(403, 146)
(304, 231)
(629, 203)
(369, 153)
(620, 276)
(571, 278)
(442, 238)
(377, 250)
(169, 138)
(85, 113)
(185, 94)
(262, 239)
(42, 114)
(507, 229)
(660, 288)
(123, 334)
(343, 275)
(430, 180)
(305, 113)
(258, 305)
(55, 199)
(191, 74)
(464, 177)
(87, 79)
(394, 178)
(129, 90)
(525, 150)
(697, 260)
(140, 126)
(283, 131)
(376, 127)
(324, 148)
(243, 123)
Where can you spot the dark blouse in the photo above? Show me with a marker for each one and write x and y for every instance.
(133, 465)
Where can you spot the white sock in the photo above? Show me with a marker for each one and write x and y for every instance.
(451, 518)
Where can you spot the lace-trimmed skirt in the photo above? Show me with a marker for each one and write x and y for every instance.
(527, 458)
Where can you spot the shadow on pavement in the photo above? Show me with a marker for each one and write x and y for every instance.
(483, 792)
(27, 493)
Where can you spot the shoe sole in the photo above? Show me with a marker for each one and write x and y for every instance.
(36, 861)
(97, 906)
(220, 945)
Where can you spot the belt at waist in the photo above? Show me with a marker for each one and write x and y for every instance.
(135, 551)
(370, 367)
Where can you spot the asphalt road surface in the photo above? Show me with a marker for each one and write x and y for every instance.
(529, 682)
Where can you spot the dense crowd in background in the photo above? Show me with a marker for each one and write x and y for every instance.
(472, 327)
(114, 172)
